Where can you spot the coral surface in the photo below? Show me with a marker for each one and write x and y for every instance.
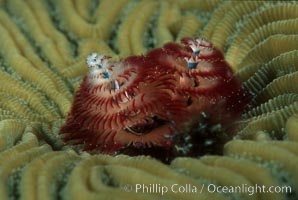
(43, 47)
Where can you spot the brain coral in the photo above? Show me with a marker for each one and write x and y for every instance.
(43, 47)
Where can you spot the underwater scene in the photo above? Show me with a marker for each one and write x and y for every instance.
(148, 99)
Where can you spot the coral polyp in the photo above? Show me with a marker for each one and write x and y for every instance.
(143, 101)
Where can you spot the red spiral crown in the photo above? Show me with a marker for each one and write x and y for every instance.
(141, 100)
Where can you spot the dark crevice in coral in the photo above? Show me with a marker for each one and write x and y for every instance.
(115, 29)
(6, 69)
(278, 134)
(62, 180)
(111, 40)
(49, 136)
(149, 41)
(58, 23)
(107, 179)
(93, 6)
(14, 184)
